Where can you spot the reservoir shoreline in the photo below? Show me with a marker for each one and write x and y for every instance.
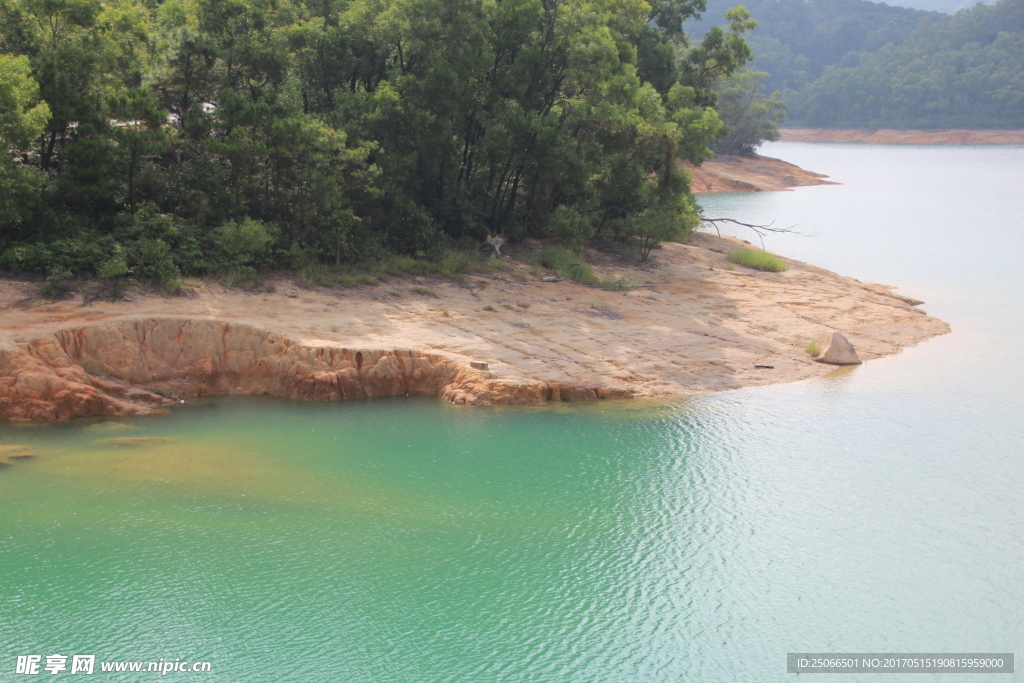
(697, 324)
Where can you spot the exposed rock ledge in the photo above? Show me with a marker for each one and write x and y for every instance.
(71, 373)
(697, 324)
(750, 173)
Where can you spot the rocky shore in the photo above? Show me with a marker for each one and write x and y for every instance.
(697, 324)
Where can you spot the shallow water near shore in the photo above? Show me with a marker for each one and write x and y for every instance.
(875, 510)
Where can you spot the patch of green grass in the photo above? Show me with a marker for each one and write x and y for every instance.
(450, 264)
(423, 291)
(322, 275)
(522, 305)
(317, 275)
(243, 277)
(396, 294)
(175, 286)
(759, 260)
(569, 266)
(489, 308)
(729, 266)
(495, 265)
(619, 285)
(812, 349)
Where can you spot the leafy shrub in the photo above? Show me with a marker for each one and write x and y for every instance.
(570, 227)
(59, 284)
(113, 275)
(245, 241)
(156, 264)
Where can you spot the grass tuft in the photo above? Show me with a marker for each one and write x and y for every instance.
(244, 278)
(569, 266)
(450, 264)
(759, 260)
(423, 291)
(812, 349)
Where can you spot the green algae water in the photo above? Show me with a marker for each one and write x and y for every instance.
(874, 510)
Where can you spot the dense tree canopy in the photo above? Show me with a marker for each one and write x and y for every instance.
(197, 135)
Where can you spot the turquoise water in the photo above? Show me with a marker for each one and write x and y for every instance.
(878, 509)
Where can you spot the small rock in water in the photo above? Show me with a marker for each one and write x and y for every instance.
(836, 349)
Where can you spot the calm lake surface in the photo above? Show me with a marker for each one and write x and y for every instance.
(876, 510)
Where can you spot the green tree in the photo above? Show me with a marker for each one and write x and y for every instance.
(22, 119)
(138, 131)
(752, 118)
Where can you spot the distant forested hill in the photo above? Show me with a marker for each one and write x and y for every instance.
(947, 6)
(857, 63)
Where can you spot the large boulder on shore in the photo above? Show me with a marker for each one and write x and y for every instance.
(835, 349)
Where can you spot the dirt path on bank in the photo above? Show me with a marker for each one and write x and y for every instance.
(698, 327)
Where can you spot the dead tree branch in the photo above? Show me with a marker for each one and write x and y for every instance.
(760, 230)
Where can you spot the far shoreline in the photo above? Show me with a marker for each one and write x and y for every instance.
(890, 136)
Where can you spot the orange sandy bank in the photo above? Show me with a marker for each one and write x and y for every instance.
(698, 324)
(916, 137)
(749, 173)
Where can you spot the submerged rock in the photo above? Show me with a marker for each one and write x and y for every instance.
(110, 427)
(835, 349)
(135, 441)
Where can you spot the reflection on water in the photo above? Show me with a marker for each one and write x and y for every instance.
(875, 509)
